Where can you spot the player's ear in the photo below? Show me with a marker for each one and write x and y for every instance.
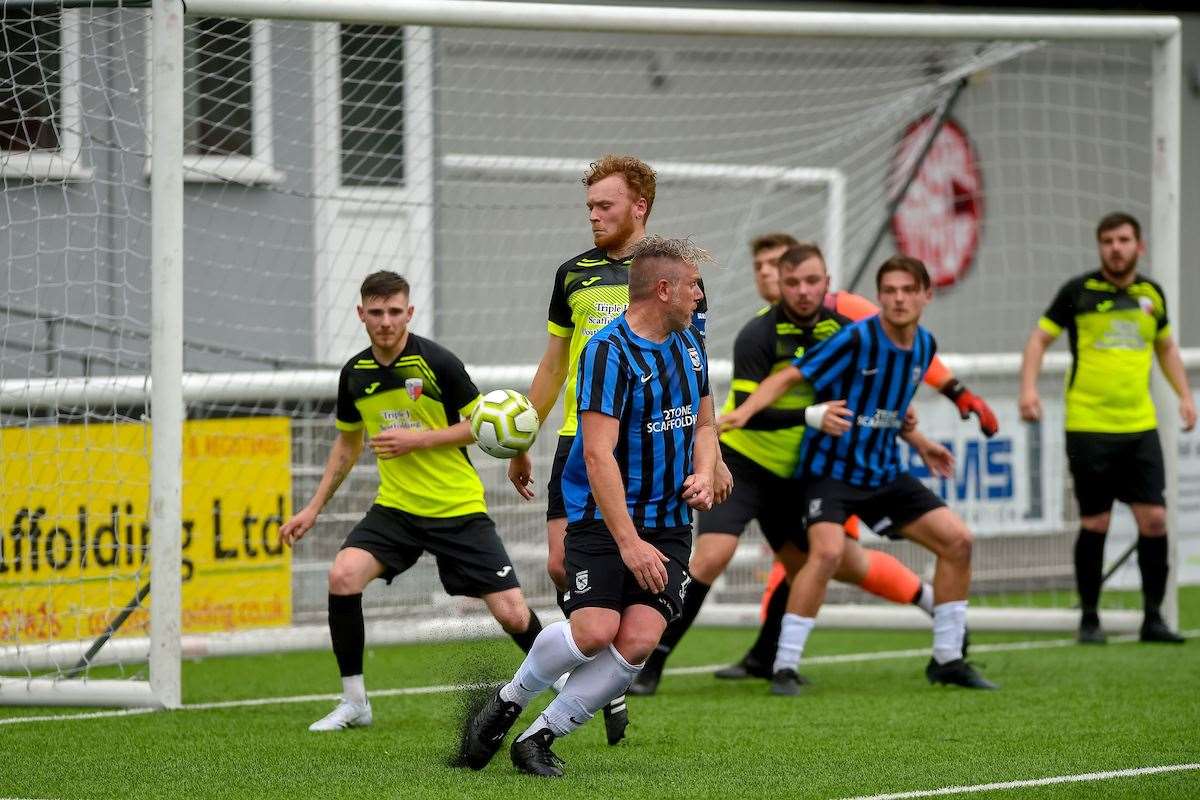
(663, 289)
(362, 314)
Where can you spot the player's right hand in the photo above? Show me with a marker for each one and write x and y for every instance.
(646, 562)
(520, 474)
(301, 523)
(1031, 406)
(837, 418)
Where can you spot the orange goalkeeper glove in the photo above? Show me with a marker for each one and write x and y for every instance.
(969, 403)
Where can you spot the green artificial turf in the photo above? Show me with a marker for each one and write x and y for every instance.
(862, 728)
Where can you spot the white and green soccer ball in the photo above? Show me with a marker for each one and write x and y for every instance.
(504, 423)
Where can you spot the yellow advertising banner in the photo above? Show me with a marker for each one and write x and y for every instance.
(74, 546)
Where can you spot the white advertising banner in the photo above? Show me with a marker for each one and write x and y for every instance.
(1009, 484)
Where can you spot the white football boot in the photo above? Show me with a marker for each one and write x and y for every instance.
(346, 715)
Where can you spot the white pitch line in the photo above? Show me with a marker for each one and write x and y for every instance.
(990, 787)
(446, 688)
(121, 712)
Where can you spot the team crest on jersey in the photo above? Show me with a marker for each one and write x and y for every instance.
(581, 582)
(916, 375)
(1146, 304)
(814, 508)
(414, 387)
(695, 358)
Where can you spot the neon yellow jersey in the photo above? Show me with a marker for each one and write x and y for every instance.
(1112, 333)
(426, 388)
(590, 291)
(765, 345)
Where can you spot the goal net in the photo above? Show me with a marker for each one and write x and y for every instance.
(450, 149)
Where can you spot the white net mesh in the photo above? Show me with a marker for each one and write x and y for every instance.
(316, 153)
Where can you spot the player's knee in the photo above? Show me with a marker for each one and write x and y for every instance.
(512, 614)
(825, 558)
(1153, 522)
(591, 639)
(705, 568)
(635, 648)
(959, 544)
(344, 580)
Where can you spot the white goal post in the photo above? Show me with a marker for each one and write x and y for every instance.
(166, 390)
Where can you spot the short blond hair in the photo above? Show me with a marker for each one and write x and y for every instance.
(656, 257)
(638, 175)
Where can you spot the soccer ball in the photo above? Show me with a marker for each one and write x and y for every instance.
(504, 423)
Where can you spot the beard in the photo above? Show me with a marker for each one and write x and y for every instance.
(615, 237)
(1123, 268)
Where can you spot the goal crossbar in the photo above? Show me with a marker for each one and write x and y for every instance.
(694, 21)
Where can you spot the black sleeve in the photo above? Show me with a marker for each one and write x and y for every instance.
(772, 419)
(347, 415)
(458, 390)
(753, 357)
(558, 316)
(1061, 313)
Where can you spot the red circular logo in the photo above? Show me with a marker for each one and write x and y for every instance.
(940, 218)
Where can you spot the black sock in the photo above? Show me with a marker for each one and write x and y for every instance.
(764, 647)
(525, 638)
(1089, 566)
(348, 632)
(1152, 561)
(692, 600)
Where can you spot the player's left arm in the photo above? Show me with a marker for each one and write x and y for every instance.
(699, 488)
(458, 392)
(1171, 361)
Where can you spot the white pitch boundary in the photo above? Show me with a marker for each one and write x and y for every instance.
(990, 787)
(446, 688)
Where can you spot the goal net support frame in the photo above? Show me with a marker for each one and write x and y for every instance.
(165, 392)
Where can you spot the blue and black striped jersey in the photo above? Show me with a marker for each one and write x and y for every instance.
(877, 380)
(654, 390)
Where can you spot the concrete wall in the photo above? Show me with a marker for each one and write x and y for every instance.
(1057, 150)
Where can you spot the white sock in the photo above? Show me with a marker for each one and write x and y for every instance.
(925, 601)
(554, 652)
(793, 635)
(949, 624)
(354, 690)
(590, 688)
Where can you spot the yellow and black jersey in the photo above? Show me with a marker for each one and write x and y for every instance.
(425, 388)
(765, 345)
(590, 291)
(1112, 335)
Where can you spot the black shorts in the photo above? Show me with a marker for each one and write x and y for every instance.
(555, 507)
(1116, 466)
(598, 578)
(471, 559)
(886, 509)
(758, 494)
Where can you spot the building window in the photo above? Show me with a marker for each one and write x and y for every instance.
(372, 105)
(227, 130)
(218, 96)
(39, 96)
